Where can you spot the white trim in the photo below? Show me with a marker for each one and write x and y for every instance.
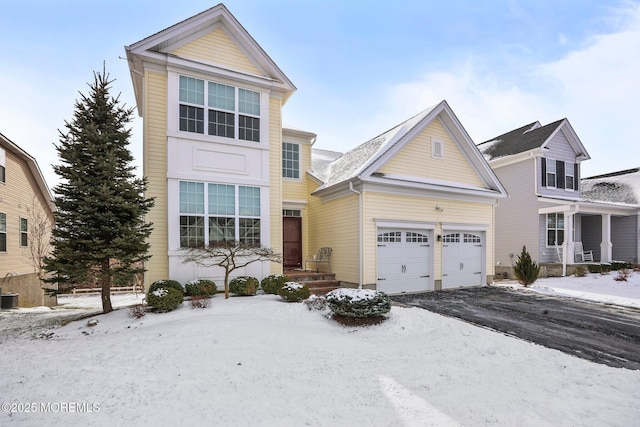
(294, 204)
(464, 227)
(402, 224)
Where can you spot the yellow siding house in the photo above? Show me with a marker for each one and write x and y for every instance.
(410, 210)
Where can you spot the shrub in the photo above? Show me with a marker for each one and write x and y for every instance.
(294, 292)
(165, 299)
(174, 284)
(526, 270)
(316, 302)
(200, 301)
(244, 285)
(360, 303)
(594, 268)
(272, 284)
(136, 311)
(623, 275)
(580, 271)
(201, 287)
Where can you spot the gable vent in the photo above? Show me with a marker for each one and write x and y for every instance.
(437, 149)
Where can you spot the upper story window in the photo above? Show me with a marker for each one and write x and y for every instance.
(3, 232)
(230, 111)
(2, 167)
(551, 173)
(290, 160)
(569, 178)
(218, 212)
(24, 232)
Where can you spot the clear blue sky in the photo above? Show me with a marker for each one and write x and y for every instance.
(360, 66)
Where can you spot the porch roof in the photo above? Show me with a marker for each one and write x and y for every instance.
(587, 207)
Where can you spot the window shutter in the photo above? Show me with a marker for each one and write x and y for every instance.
(559, 174)
(576, 176)
(543, 164)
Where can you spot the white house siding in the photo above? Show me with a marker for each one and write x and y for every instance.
(558, 149)
(516, 216)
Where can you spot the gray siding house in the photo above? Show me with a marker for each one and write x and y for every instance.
(546, 211)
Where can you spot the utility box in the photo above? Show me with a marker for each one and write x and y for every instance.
(8, 301)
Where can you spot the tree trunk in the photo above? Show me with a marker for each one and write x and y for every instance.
(105, 278)
(226, 284)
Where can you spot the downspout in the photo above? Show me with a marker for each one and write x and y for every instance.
(360, 232)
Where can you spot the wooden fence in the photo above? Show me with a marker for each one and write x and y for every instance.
(136, 289)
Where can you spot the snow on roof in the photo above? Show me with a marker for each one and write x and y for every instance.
(616, 187)
(353, 162)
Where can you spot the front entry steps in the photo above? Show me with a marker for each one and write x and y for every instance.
(318, 283)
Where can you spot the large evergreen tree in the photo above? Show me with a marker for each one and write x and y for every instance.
(100, 234)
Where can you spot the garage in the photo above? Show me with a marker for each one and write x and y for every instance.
(462, 259)
(405, 260)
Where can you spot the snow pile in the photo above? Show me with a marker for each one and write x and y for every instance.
(242, 360)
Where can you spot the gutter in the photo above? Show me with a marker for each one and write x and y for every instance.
(360, 231)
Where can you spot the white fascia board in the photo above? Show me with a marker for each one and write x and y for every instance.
(431, 192)
(405, 224)
(434, 185)
(515, 158)
(591, 208)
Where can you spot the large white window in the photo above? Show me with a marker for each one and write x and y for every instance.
(3, 232)
(290, 160)
(230, 111)
(555, 229)
(221, 213)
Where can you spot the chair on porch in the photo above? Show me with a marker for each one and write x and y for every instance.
(323, 256)
(581, 254)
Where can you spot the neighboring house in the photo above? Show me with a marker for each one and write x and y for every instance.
(24, 198)
(546, 212)
(621, 190)
(412, 209)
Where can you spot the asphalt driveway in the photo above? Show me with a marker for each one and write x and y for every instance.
(601, 333)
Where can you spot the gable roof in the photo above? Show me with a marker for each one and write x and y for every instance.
(362, 162)
(529, 137)
(31, 162)
(621, 187)
(157, 47)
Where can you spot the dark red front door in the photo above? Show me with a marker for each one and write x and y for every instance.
(292, 242)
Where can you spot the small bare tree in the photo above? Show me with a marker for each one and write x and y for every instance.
(230, 255)
(39, 235)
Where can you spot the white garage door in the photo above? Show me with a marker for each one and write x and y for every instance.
(462, 259)
(404, 261)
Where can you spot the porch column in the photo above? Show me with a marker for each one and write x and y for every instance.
(568, 246)
(606, 245)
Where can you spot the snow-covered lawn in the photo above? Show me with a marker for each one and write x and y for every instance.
(250, 361)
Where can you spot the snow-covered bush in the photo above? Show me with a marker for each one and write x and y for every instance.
(244, 285)
(272, 284)
(165, 299)
(168, 283)
(294, 292)
(201, 287)
(360, 303)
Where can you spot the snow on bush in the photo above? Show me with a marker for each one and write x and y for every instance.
(165, 299)
(294, 292)
(358, 302)
(168, 283)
